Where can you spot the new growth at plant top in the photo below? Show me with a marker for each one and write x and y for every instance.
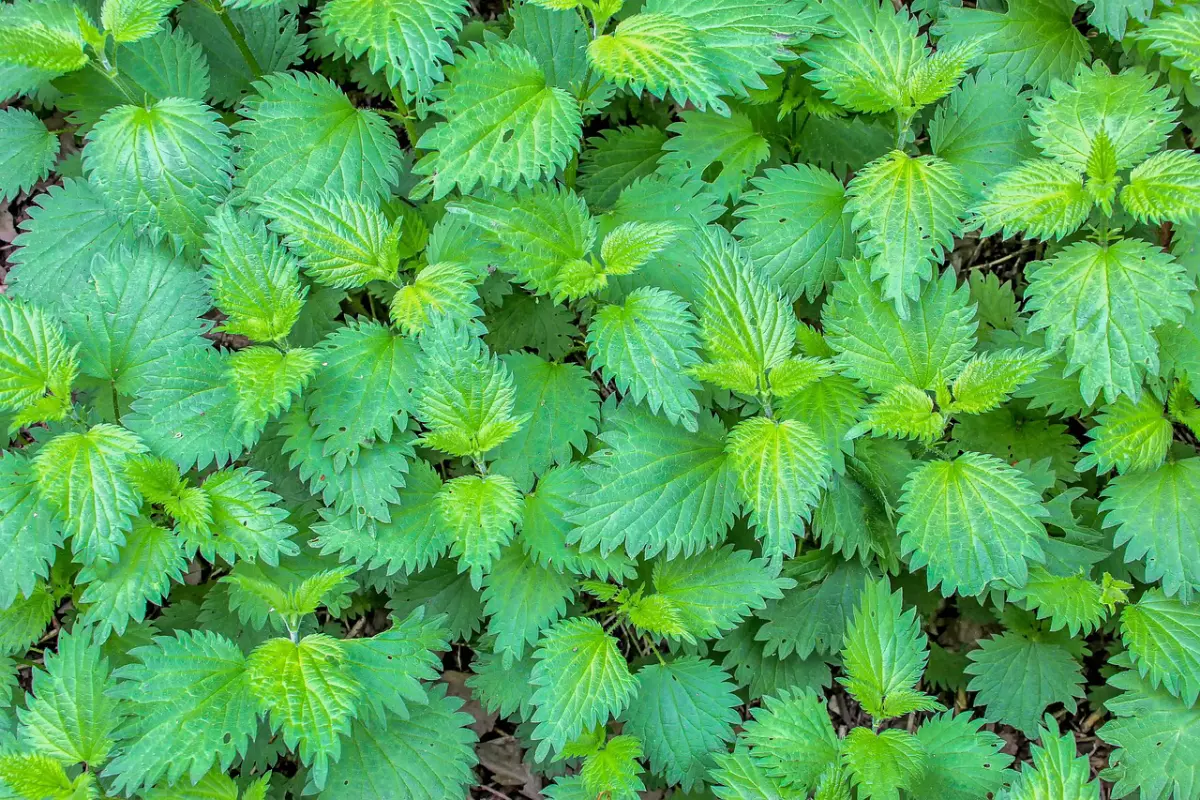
(738, 399)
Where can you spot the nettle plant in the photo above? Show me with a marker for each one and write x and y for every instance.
(756, 398)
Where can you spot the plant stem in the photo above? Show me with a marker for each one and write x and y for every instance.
(116, 404)
(115, 80)
(239, 39)
(410, 129)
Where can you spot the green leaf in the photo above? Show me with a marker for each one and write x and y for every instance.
(192, 706)
(1166, 186)
(795, 227)
(149, 561)
(267, 380)
(902, 412)
(646, 347)
(684, 713)
(301, 134)
(781, 469)
(881, 764)
(81, 475)
(812, 618)
(363, 390)
(407, 38)
(71, 716)
(1057, 770)
(246, 523)
(792, 739)
(138, 308)
(563, 408)
(1155, 738)
(705, 140)
(1040, 198)
(443, 289)
(615, 159)
(1016, 677)
(42, 34)
(884, 655)
(1173, 34)
(878, 348)
(466, 397)
(738, 777)
(34, 775)
(539, 231)
(30, 530)
(987, 380)
(1162, 636)
(69, 226)
(1134, 115)
(582, 681)
(185, 410)
(1035, 41)
(523, 598)
(37, 367)
(870, 63)
(441, 590)
(309, 693)
(971, 521)
(1129, 436)
(714, 590)
(1074, 602)
(1117, 346)
(830, 407)
(531, 323)
(428, 756)
(341, 242)
(131, 20)
(905, 212)
(612, 771)
(26, 619)
(655, 486)
(962, 762)
(166, 165)
(982, 130)
(412, 539)
(518, 128)
(478, 514)
(29, 151)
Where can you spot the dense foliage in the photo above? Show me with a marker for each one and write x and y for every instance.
(757, 399)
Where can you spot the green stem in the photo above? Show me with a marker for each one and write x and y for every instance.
(570, 171)
(239, 39)
(116, 404)
(115, 80)
(410, 129)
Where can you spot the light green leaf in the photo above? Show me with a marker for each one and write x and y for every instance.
(70, 716)
(309, 693)
(444, 289)
(246, 522)
(30, 530)
(165, 165)
(42, 34)
(407, 38)
(1162, 637)
(1166, 186)
(987, 380)
(81, 475)
(478, 514)
(1040, 198)
(1123, 290)
(131, 20)
(518, 128)
(582, 681)
(1129, 436)
(1058, 771)
(612, 771)
(902, 412)
(267, 380)
(971, 521)
(37, 367)
(738, 777)
(906, 212)
(646, 347)
(881, 764)
(27, 151)
(885, 654)
(1134, 114)
(961, 761)
(149, 561)
(781, 469)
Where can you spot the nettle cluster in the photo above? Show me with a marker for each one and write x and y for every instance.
(758, 397)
